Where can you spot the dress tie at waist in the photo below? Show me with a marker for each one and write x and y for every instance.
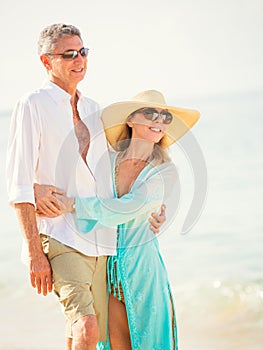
(114, 278)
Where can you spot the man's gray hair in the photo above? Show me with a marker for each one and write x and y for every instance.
(49, 36)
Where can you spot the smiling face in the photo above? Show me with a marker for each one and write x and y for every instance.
(66, 74)
(148, 130)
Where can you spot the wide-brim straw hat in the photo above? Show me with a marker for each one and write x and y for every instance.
(115, 115)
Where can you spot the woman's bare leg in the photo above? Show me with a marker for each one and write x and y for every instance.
(118, 325)
(173, 320)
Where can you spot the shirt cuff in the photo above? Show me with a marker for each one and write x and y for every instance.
(22, 194)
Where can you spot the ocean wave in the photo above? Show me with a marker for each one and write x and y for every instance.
(222, 304)
(220, 314)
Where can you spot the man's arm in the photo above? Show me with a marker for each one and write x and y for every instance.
(39, 267)
(22, 160)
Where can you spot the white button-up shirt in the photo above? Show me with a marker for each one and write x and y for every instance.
(43, 148)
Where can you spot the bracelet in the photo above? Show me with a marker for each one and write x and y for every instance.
(74, 206)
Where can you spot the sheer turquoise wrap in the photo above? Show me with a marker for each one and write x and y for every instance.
(140, 267)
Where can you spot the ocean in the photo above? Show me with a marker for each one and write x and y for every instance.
(215, 269)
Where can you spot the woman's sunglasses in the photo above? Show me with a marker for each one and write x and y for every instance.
(153, 114)
(70, 55)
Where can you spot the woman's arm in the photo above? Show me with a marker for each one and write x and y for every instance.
(147, 195)
(111, 212)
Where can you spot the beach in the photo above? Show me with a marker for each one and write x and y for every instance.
(216, 269)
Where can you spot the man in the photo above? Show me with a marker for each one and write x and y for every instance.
(48, 133)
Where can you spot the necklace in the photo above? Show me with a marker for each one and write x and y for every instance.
(137, 167)
(116, 173)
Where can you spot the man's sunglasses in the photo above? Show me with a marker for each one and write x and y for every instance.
(153, 114)
(70, 55)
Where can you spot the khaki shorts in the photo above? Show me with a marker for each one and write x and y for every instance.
(79, 282)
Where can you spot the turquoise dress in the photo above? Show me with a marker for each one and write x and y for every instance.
(138, 265)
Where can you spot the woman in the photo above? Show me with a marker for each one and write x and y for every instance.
(141, 310)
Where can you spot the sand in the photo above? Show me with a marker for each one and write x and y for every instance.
(31, 322)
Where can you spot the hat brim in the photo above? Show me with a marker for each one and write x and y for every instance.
(115, 115)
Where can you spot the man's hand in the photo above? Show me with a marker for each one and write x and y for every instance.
(39, 267)
(40, 274)
(46, 203)
(156, 221)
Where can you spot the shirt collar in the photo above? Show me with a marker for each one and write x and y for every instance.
(57, 93)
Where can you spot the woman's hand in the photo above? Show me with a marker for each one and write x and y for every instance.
(65, 203)
(46, 202)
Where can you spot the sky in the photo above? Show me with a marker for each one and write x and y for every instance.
(183, 48)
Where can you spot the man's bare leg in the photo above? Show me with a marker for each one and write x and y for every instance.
(85, 333)
(69, 344)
